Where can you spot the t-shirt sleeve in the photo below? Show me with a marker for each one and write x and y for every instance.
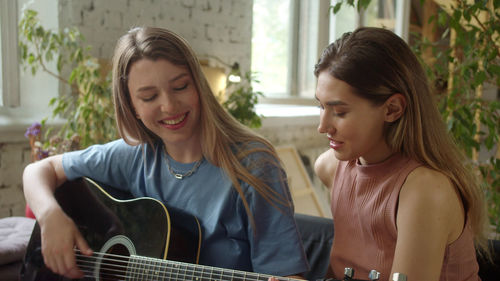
(276, 245)
(111, 163)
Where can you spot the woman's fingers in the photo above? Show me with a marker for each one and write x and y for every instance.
(59, 238)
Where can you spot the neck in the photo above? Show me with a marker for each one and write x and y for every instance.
(382, 153)
(184, 154)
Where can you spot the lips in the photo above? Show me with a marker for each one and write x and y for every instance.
(335, 144)
(175, 122)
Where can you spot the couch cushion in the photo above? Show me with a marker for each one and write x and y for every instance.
(317, 238)
(15, 233)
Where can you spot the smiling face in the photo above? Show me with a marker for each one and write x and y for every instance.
(354, 126)
(165, 99)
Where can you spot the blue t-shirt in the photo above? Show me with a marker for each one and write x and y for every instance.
(228, 238)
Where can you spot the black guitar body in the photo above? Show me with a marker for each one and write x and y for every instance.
(116, 228)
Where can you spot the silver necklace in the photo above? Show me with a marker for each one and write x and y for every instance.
(188, 173)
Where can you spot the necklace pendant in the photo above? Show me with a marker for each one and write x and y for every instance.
(178, 176)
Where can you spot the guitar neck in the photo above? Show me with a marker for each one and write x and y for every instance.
(144, 268)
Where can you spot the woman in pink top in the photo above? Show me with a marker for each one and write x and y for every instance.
(403, 198)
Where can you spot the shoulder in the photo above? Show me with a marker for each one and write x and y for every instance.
(253, 151)
(111, 151)
(428, 193)
(325, 167)
(428, 184)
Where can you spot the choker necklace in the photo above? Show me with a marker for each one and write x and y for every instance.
(188, 173)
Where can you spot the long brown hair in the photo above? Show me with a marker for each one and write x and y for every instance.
(225, 142)
(377, 64)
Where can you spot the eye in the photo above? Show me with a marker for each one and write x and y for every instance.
(149, 98)
(181, 88)
(339, 114)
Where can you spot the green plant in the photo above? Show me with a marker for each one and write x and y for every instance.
(87, 105)
(469, 59)
(242, 100)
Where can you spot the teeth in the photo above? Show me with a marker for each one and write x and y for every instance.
(174, 121)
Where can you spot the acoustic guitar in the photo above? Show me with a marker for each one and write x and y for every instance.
(132, 239)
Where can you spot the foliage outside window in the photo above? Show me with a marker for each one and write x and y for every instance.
(269, 45)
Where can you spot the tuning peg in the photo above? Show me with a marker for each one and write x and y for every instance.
(348, 273)
(398, 277)
(373, 275)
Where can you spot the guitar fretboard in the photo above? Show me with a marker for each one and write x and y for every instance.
(144, 268)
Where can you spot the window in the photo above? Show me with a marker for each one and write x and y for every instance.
(288, 37)
(27, 99)
(270, 45)
(9, 78)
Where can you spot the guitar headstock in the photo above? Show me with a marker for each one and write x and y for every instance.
(372, 276)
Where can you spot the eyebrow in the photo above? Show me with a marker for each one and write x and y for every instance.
(146, 88)
(332, 103)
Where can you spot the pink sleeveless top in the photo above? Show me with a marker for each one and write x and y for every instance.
(364, 206)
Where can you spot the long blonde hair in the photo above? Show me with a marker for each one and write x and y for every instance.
(377, 64)
(224, 141)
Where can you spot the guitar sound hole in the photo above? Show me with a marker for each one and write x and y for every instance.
(114, 263)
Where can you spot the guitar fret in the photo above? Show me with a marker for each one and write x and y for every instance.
(201, 274)
(176, 273)
(184, 272)
(165, 270)
(133, 268)
(142, 269)
(220, 272)
(192, 275)
(156, 270)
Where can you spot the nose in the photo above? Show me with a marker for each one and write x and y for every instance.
(325, 125)
(167, 103)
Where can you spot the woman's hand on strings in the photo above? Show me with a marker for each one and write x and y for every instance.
(59, 238)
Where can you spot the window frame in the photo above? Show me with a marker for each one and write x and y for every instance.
(9, 70)
(325, 26)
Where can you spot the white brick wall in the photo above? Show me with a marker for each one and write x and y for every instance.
(215, 27)
(14, 156)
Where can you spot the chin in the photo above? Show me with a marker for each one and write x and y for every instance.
(343, 156)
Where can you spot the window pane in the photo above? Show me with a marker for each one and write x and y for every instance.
(345, 20)
(308, 47)
(270, 45)
(9, 71)
(1, 64)
(381, 13)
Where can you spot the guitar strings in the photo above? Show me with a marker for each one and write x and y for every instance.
(186, 274)
(113, 266)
